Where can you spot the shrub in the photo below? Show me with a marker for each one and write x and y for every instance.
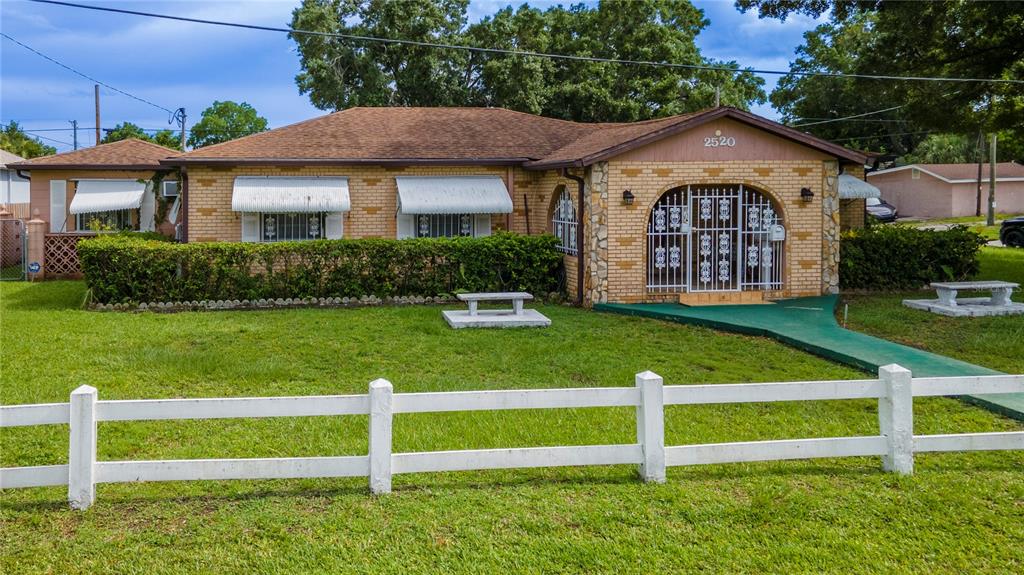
(896, 257)
(120, 269)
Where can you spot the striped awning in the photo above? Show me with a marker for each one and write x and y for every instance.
(452, 195)
(851, 188)
(283, 194)
(93, 196)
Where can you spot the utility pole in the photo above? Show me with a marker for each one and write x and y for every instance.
(718, 96)
(74, 126)
(96, 92)
(991, 221)
(981, 161)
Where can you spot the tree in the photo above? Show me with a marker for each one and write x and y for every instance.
(225, 121)
(944, 149)
(125, 130)
(16, 141)
(342, 73)
(930, 39)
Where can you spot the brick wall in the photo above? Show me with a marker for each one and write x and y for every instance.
(781, 180)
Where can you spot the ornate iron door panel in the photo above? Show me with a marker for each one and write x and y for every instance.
(668, 242)
(715, 234)
(761, 252)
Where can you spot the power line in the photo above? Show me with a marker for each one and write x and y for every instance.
(361, 38)
(880, 136)
(86, 76)
(845, 117)
(50, 139)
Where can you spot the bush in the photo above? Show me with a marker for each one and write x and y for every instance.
(120, 269)
(894, 257)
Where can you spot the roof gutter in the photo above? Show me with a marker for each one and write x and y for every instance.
(579, 232)
(181, 161)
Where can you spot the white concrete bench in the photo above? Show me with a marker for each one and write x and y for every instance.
(1001, 291)
(999, 303)
(515, 317)
(516, 297)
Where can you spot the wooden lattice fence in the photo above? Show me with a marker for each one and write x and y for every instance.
(62, 255)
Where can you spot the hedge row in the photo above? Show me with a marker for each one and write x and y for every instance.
(122, 269)
(894, 257)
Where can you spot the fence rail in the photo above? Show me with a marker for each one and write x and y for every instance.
(895, 444)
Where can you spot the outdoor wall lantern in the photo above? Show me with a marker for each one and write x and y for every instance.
(627, 197)
(806, 194)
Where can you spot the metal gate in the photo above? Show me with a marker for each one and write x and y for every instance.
(714, 238)
(13, 250)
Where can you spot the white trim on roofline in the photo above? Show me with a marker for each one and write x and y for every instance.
(944, 179)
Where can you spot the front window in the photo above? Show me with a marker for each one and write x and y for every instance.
(563, 223)
(112, 221)
(292, 227)
(445, 225)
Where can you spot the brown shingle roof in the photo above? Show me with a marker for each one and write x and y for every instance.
(130, 154)
(465, 135)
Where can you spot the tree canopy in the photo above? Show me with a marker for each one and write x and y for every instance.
(341, 73)
(927, 39)
(125, 130)
(225, 121)
(16, 141)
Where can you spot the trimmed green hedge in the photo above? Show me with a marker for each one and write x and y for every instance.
(121, 269)
(894, 257)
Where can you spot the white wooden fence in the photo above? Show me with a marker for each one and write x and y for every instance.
(894, 389)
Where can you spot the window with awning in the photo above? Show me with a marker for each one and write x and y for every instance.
(446, 206)
(285, 208)
(92, 196)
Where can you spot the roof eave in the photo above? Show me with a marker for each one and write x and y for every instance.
(182, 161)
(93, 167)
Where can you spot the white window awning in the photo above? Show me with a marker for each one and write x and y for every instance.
(851, 188)
(452, 195)
(93, 196)
(281, 194)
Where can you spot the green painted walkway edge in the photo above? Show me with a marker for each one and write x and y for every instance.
(809, 324)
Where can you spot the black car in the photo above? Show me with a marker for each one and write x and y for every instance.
(880, 210)
(1011, 233)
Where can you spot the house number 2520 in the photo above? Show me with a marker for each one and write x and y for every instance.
(719, 141)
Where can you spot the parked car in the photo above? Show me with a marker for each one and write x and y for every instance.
(1011, 233)
(880, 210)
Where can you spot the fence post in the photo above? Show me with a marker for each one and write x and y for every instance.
(36, 248)
(650, 426)
(380, 436)
(896, 419)
(82, 449)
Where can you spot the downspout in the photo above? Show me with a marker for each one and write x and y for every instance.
(184, 205)
(511, 178)
(579, 233)
(22, 175)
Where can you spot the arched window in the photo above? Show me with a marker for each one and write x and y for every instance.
(563, 221)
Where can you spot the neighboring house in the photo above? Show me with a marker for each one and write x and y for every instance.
(718, 206)
(107, 187)
(949, 190)
(13, 187)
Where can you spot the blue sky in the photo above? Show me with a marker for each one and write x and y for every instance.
(177, 64)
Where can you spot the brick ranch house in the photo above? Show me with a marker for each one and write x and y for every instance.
(716, 206)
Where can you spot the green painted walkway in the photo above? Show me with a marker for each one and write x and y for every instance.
(809, 324)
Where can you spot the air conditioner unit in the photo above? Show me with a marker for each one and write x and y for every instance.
(169, 189)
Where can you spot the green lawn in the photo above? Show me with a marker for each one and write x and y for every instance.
(958, 513)
(995, 342)
(975, 223)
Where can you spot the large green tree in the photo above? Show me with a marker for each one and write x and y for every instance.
(125, 130)
(225, 121)
(340, 73)
(928, 39)
(16, 141)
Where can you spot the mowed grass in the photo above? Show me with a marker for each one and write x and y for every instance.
(995, 342)
(958, 513)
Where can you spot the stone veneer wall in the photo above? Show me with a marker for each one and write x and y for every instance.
(624, 257)
(830, 227)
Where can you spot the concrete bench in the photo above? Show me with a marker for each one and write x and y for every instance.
(515, 317)
(1001, 291)
(516, 297)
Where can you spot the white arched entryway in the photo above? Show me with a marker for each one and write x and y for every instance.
(714, 238)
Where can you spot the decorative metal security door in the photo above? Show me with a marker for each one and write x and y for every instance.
(715, 235)
(722, 237)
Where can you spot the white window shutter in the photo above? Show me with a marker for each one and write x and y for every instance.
(334, 227)
(406, 226)
(58, 206)
(147, 211)
(483, 225)
(250, 227)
